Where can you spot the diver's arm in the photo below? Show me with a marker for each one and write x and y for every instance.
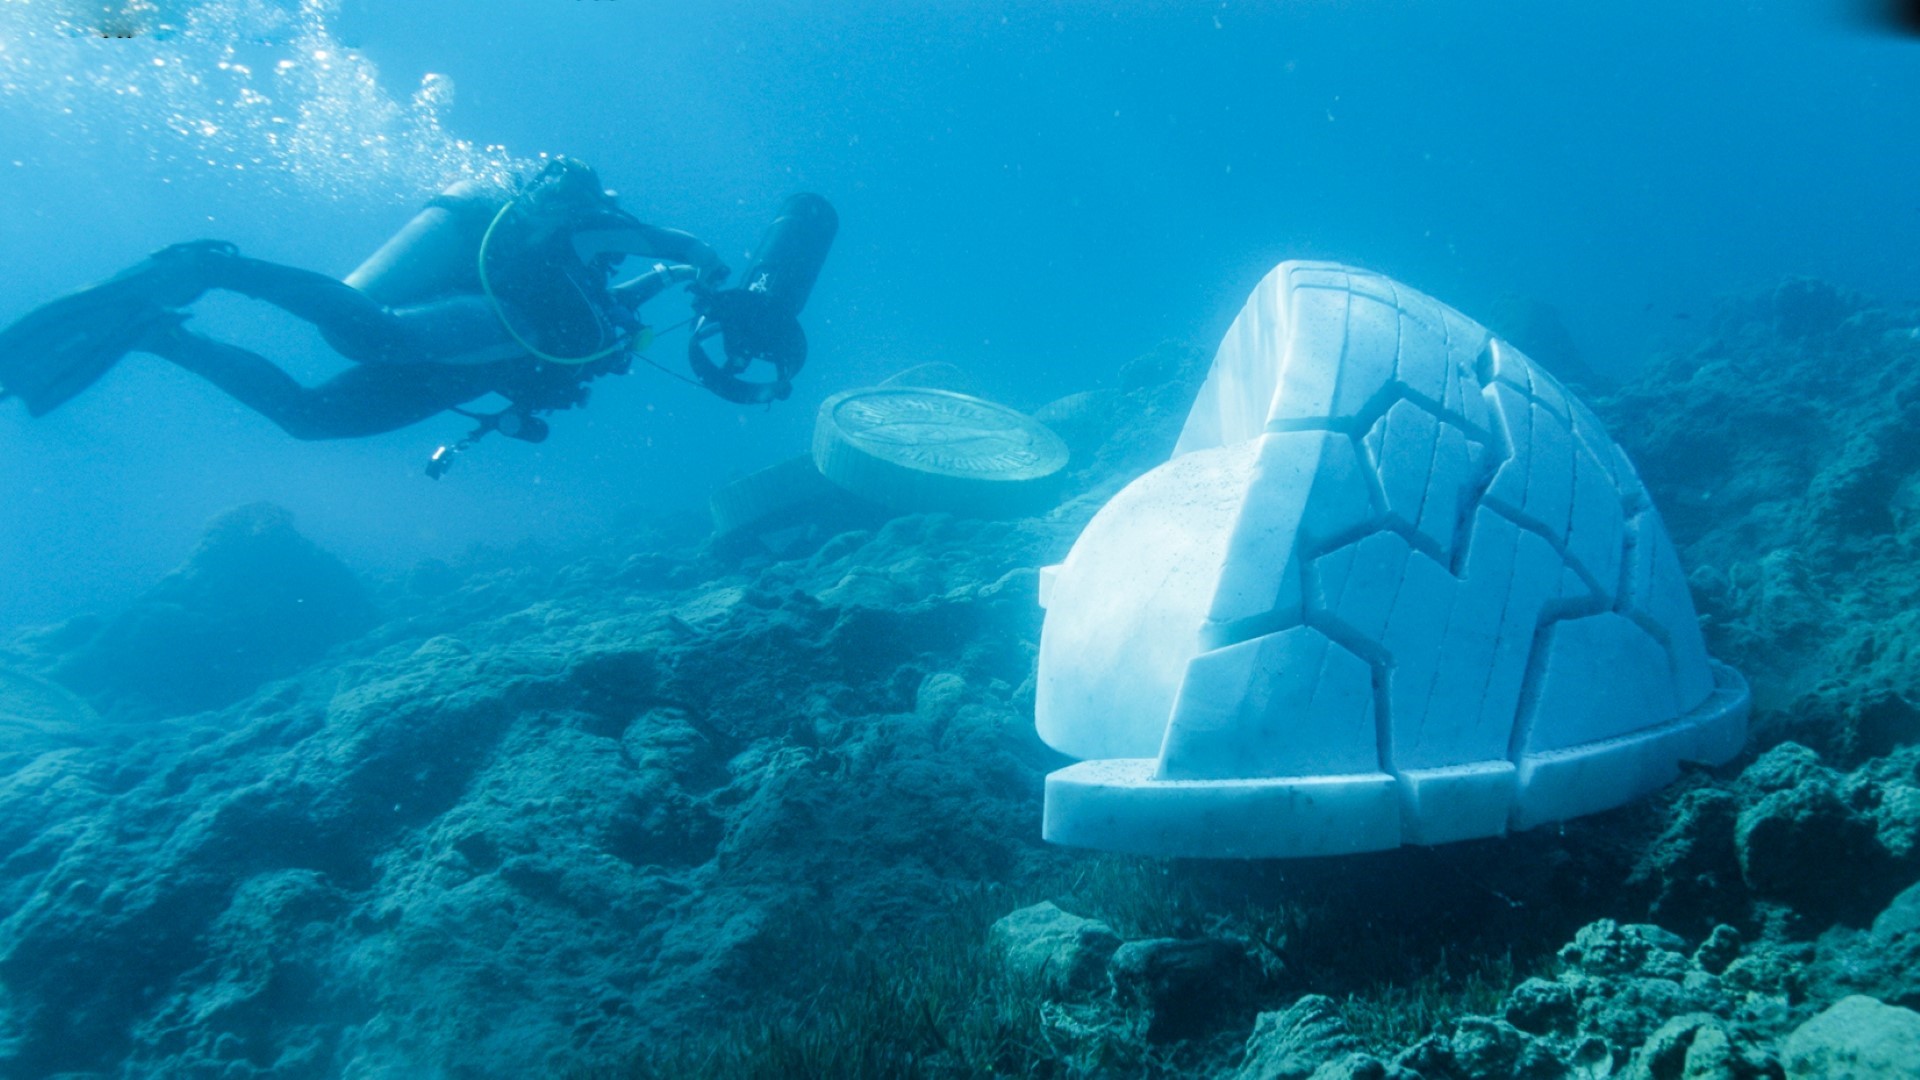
(689, 249)
(651, 241)
(636, 291)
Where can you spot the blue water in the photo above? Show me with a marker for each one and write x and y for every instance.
(1034, 192)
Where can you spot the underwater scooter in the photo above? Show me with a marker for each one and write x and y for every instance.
(760, 318)
(757, 320)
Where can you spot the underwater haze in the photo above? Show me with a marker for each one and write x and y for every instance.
(1033, 191)
(703, 739)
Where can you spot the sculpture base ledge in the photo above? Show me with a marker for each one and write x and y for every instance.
(1563, 784)
(1119, 805)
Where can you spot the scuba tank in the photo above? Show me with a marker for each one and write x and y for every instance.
(759, 319)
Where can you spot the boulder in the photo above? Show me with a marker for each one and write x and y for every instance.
(1857, 1038)
(254, 602)
(1064, 952)
(1186, 987)
(1295, 1042)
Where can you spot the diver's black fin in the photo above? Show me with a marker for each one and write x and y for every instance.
(62, 347)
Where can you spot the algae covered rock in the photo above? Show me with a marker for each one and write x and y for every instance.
(1295, 1042)
(1830, 845)
(1785, 450)
(1804, 306)
(255, 601)
(1882, 961)
(1480, 1046)
(1689, 876)
(1857, 1038)
(1795, 843)
(1607, 948)
(546, 817)
(1695, 1046)
(1065, 952)
(1628, 1001)
(541, 818)
(1790, 833)
(1542, 1007)
(1186, 987)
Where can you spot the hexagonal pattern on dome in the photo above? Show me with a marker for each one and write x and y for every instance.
(1396, 585)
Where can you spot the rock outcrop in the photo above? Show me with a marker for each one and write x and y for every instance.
(527, 814)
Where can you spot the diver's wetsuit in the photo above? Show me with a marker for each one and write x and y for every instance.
(419, 328)
(398, 378)
(367, 399)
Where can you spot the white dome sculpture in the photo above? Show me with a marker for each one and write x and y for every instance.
(1396, 586)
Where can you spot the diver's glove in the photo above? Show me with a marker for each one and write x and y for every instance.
(714, 274)
(755, 328)
(750, 327)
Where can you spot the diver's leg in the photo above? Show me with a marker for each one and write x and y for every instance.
(248, 377)
(356, 325)
(352, 322)
(372, 399)
(364, 400)
(461, 329)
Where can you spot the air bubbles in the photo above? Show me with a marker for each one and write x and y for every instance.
(436, 91)
(254, 86)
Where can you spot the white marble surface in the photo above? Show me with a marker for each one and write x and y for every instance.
(1396, 585)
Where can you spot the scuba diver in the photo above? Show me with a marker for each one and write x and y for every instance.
(503, 289)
